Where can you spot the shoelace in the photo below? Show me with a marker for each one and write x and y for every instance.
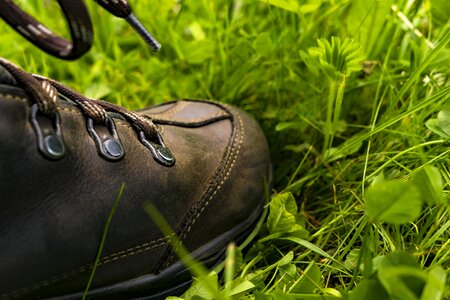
(44, 97)
(79, 22)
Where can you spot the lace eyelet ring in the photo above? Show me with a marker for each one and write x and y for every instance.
(159, 150)
(108, 145)
(50, 141)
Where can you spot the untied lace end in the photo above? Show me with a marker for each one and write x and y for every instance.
(121, 9)
(79, 22)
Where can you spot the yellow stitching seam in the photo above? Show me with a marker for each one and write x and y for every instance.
(171, 111)
(230, 167)
(12, 97)
(131, 251)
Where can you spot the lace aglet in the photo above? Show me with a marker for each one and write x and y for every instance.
(143, 32)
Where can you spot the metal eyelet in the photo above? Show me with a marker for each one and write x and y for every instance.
(159, 150)
(107, 139)
(49, 137)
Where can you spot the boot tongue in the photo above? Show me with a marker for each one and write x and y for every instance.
(6, 78)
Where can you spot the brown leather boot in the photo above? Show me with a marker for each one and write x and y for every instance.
(63, 159)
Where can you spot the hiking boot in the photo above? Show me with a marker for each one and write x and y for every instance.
(63, 160)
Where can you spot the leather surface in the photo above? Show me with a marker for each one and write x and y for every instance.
(52, 213)
(6, 78)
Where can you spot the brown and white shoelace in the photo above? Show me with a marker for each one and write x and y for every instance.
(44, 96)
(79, 22)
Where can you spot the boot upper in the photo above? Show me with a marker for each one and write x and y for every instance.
(53, 212)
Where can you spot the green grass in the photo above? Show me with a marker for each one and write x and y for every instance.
(345, 136)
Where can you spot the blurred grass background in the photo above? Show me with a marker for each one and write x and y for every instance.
(258, 55)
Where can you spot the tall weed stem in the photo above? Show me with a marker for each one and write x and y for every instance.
(329, 123)
(334, 107)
